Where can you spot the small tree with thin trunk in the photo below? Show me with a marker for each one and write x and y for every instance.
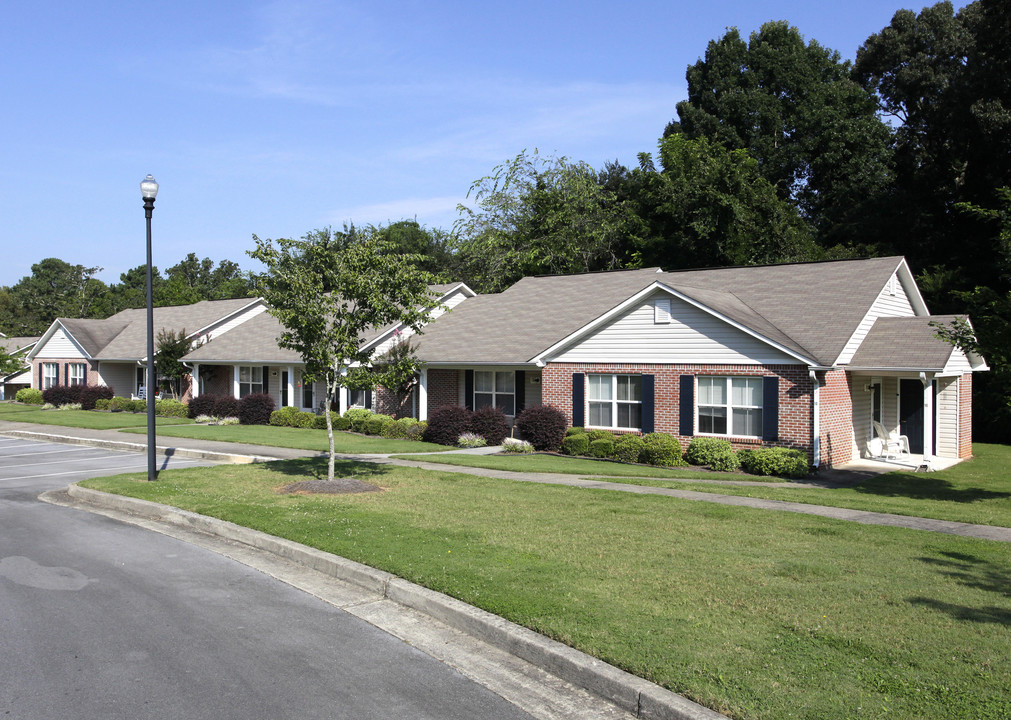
(330, 290)
(171, 347)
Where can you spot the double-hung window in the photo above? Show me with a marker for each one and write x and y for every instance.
(730, 406)
(356, 398)
(76, 374)
(250, 380)
(615, 401)
(50, 375)
(495, 388)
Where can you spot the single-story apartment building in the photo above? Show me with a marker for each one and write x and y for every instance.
(836, 358)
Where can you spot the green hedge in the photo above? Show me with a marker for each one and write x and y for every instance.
(170, 408)
(377, 423)
(602, 447)
(575, 431)
(600, 435)
(358, 418)
(714, 452)
(661, 449)
(578, 444)
(781, 462)
(29, 396)
(628, 448)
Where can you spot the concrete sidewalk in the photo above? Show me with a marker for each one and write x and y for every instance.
(238, 453)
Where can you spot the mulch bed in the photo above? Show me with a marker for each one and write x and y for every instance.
(337, 486)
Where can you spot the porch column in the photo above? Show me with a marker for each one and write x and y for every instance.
(291, 387)
(235, 381)
(423, 394)
(195, 381)
(928, 417)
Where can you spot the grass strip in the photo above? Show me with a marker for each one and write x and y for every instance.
(757, 614)
(89, 419)
(299, 439)
(975, 491)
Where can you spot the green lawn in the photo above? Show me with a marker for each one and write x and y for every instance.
(758, 614)
(298, 438)
(975, 491)
(82, 418)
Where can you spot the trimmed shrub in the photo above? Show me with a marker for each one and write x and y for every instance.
(139, 406)
(226, 406)
(102, 403)
(703, 450)
(58, 395)
(170, 408)
(602, 448)
(202, 405)
(88, 395)
(255, 409)
(513, 445)
(417, 432)
(578, 444)
(377, 423)
(543, 426)
(447, 423)
(121, 404)
(339, 422)
(29, 396)
(725, 463)
(628, 448)
(305, 420)
(600, 435)
(778, 461)
(399, 429)
(285, 417)
(661, 449)
(320, 422)
(575, 431)
(491, 424)
(470, 440)
(358, 418)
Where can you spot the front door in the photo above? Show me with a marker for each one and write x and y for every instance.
(911, 414)
(284, 388)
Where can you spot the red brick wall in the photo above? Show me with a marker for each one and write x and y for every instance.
(385, 402)
(443, 388)
(836, 426)
(965, 416)
(795, 401)
(91, 375)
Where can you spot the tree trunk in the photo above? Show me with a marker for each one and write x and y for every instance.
(331, 393)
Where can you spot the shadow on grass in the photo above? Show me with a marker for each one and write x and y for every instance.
(925, 486)
(975, 573)
(316, 468)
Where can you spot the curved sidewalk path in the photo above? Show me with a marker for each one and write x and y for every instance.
(233, 452)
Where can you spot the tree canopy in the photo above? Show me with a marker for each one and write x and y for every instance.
(329, 290)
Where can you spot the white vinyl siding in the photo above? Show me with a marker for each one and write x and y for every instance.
(60, 345)
(886, 305)
(692, 336)
(119, 376)
(947, 417)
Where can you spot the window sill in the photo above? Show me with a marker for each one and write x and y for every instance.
(754, 439)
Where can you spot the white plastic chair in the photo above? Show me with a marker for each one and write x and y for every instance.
(892, 444)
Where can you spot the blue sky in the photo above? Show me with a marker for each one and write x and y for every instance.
(278, 118)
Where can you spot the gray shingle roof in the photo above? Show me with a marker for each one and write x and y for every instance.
(809, 308)
(13, 344)
(904, 343)
(123, 336)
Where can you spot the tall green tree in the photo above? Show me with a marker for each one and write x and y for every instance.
(432, 245)
(540, 215)
(54, 289)
(329, 289)
(795, 108)
(205, 281)
(708, 206)
(171, 346)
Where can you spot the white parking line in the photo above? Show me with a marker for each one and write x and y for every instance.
(61, 462)
(51, 452)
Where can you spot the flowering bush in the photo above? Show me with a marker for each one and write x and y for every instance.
(471, 440)
(515, 445)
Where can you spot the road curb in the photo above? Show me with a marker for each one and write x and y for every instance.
(630, 693)
(139, 447)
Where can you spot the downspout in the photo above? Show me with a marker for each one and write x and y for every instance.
(816, 417)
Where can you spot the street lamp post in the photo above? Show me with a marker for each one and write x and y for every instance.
(149, 190)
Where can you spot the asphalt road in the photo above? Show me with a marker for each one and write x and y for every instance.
(100, 619)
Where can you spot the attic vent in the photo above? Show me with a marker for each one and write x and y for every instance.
(893, 285)
(661, 311)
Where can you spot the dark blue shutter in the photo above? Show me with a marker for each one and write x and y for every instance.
(85, 373)
(42, 375)
(521, 391)
(66, 374)
(468, 389)
(686, 406)
(646, 388)
(770, 408)
(368, 399)
(578, 402)
(266, 381)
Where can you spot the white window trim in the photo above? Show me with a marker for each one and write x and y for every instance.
(614, 401)
(250, 382)
(48, 380)
(495, 393)
(72, 375)
(728, 406)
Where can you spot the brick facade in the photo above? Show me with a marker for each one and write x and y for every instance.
(443, 388)
(795, 395)
(385, 402)
(91, 376)
(965, 416)
(836, 417)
